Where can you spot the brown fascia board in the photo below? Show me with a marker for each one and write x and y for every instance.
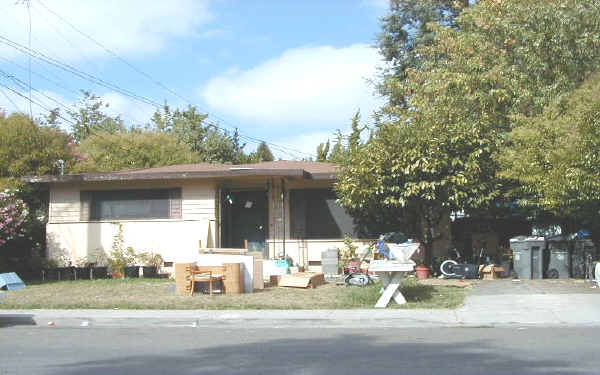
(294, 173)
(322, 176)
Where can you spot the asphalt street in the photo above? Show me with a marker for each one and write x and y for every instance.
(30, 350)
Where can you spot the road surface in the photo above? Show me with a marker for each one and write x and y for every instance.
(30, 350)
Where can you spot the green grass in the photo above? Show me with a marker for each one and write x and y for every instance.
(158, 294)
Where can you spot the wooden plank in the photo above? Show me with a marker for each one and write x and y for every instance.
(302, 280)
(387, 295)
(216, 250)
(258, 281)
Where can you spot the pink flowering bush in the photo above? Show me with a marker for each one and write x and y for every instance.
(13, 213)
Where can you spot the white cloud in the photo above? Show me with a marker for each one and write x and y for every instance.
(309, 88)
(132, 27)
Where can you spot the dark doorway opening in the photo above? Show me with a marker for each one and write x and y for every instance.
(245, 218)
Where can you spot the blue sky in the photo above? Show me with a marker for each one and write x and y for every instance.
(287, 71)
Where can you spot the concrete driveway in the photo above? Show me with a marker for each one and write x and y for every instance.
(539, 302)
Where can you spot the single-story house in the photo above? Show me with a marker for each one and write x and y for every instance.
(281, 208)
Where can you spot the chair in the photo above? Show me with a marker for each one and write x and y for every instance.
(196, 275)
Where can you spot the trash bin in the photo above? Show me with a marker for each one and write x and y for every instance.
(582, 258)
(559, 264)
(329, 261)
(528, 256)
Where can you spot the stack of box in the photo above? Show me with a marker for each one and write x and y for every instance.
(329, 261)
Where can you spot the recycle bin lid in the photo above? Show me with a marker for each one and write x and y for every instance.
(11, 281)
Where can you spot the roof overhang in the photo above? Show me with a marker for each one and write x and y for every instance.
(231, 173)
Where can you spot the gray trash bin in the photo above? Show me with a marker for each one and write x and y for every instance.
(559, 264)
(528, 257)
(582, 258)
(329, 261)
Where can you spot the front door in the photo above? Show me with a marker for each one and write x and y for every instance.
(246, 219)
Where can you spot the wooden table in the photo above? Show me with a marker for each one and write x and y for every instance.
(390, 273)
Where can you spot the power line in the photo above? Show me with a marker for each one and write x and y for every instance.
(27, 87)
(34, 102)
(10, 100)
(160, 84)
(81, 74)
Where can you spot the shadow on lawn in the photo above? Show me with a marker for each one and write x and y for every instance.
(337, 354)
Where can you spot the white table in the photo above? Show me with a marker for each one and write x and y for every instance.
(390, 273)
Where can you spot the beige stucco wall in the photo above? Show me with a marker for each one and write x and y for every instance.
(71, 239)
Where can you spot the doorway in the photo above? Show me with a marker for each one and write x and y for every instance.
(245, 218)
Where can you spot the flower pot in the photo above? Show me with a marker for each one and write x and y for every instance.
(50, 274)
(149, 272)
(133, 271)
(66, 273)
(82, 273)
(422, 271)
(99, 273)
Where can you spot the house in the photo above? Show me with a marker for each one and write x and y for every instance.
(281, 208)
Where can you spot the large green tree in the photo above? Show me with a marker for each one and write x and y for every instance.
(404, 30)
(556, 157)
(499, 60)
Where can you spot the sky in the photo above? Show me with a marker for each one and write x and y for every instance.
(290, 72)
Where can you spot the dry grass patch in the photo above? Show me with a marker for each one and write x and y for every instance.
(159, 294)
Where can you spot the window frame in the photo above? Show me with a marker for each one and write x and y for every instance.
(90, 203)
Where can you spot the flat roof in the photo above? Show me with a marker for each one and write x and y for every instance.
(282, 168)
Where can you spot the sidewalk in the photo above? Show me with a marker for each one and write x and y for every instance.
(490, 310)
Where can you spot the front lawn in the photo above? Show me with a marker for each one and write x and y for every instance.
(158, 294)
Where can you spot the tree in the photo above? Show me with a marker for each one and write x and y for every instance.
(132, 149)
(89, 118)
(323, 151)
(208, 141)
(556, 159)
(13, 213)
(502, 59)
(404, 30)
(28, 149)
(263, 153)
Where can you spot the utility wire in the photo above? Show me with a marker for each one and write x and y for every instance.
(34, 102)
(70, 69)
(160, 84)
(27, 87)
(10, 100)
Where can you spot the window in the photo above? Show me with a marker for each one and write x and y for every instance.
(315, 214)
(131, 204)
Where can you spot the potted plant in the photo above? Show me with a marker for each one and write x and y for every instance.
(82, 270)
(49, 270)
(98, 261)
(151, 264)
(122, 260)
(122, 263)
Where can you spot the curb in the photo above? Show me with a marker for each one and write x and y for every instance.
(462, 318)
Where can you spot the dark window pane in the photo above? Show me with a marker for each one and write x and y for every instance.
(132, 204)
(315, 214)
